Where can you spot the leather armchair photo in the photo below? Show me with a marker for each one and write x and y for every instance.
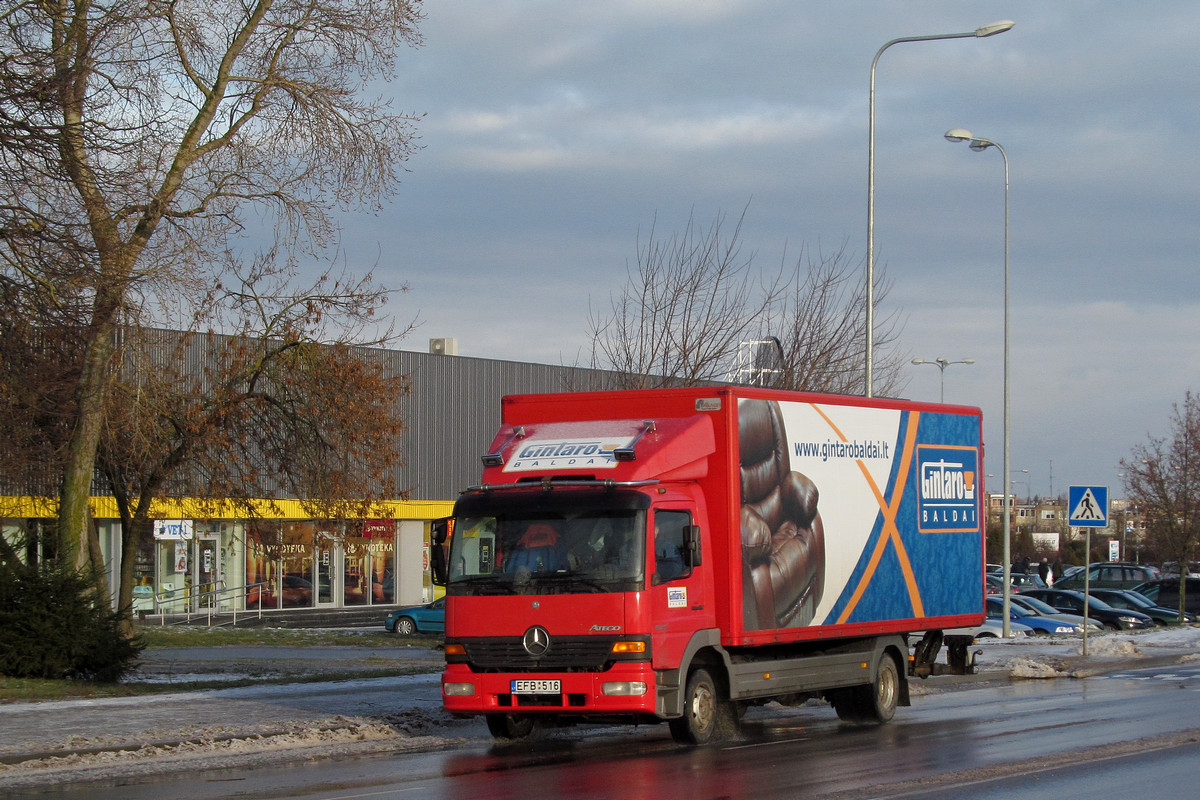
(783, 540)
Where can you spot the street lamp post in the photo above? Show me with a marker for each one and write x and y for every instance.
(987, 30)
(1028, 484)
(979, 145)
(941, 364)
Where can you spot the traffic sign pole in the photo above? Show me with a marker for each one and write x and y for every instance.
(1088, 508)
(1087, 583)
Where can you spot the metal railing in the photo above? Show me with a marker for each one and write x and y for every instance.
(219, 600)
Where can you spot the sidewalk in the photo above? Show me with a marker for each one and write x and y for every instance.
(267, 662)
(350, 710)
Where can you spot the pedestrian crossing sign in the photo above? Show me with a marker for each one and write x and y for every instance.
(1088, 506)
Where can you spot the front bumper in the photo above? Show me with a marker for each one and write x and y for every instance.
(625, 689)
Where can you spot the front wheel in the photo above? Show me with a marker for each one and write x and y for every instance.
(405, 626)
(706, 717)
(509, 727)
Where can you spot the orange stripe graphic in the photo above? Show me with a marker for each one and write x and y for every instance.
(889, 531)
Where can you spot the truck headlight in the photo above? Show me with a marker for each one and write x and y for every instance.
(624, 688)
(458, 689)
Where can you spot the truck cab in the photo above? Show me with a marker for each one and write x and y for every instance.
(589, 591)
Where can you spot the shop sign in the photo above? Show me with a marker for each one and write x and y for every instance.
(379, 529)
(173, 529)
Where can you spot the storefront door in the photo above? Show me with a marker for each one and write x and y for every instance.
(328, 572)
(208, 571)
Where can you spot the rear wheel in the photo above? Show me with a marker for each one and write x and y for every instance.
(706, 717)
(507, 726)
(873, 703)
(885, 693)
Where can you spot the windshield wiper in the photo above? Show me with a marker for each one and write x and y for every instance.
(485, 585)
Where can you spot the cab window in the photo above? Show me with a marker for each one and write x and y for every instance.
(669, 545)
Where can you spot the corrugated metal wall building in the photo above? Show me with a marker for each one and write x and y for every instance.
(454, 411)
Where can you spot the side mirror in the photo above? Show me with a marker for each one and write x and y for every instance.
(440, 531)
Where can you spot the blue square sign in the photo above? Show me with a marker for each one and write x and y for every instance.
(1088, 506)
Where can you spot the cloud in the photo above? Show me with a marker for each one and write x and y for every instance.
(554, 132)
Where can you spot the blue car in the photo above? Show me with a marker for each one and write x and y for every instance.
(1040, 624)
(429, 618)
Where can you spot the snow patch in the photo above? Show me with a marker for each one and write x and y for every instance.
(1113, 647)
(1029, 668)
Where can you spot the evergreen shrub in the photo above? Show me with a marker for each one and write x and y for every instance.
(52, 628)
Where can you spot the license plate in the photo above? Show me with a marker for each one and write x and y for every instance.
(536, 687)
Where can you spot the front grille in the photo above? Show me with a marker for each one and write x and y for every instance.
(566, 654)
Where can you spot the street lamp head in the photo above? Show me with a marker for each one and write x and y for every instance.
(975, 143)
(993, 28)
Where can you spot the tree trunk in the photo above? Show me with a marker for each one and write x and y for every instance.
(73, 512)
(99, 569)
(131, 540)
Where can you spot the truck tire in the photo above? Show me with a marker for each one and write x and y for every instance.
(509, 727)
(706, 717)
(872, 703)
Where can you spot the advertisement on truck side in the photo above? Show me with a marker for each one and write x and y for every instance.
(887, 524)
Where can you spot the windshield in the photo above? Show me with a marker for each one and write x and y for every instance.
(558, 542)
(996, 608)
(1139, 599)
(1126, 601)
(1036, 605)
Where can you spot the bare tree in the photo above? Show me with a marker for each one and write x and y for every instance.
(821, 329)
(697, 310)
(689, 302)
(138, 136)
(1162, 477)
(280, 415)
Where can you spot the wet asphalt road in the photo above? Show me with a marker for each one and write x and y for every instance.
(1093, 737)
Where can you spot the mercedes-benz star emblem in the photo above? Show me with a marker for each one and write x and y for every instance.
(536, 641)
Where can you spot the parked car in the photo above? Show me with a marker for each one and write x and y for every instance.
(429, 618)
(1068, 572)
(1073, 602)
(1047, 610)
(1165, 592)
(995, 585)
(992, 629)
(1170, 569)
(1127, 598)
(1039, 624)
(1108, 575)
(1026, 580)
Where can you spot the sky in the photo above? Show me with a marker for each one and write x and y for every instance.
(555, 133)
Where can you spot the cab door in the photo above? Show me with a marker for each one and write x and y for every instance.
(678, 582)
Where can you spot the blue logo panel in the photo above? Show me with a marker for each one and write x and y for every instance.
(947, 489)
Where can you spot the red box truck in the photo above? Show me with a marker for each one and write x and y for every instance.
(679, 554)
